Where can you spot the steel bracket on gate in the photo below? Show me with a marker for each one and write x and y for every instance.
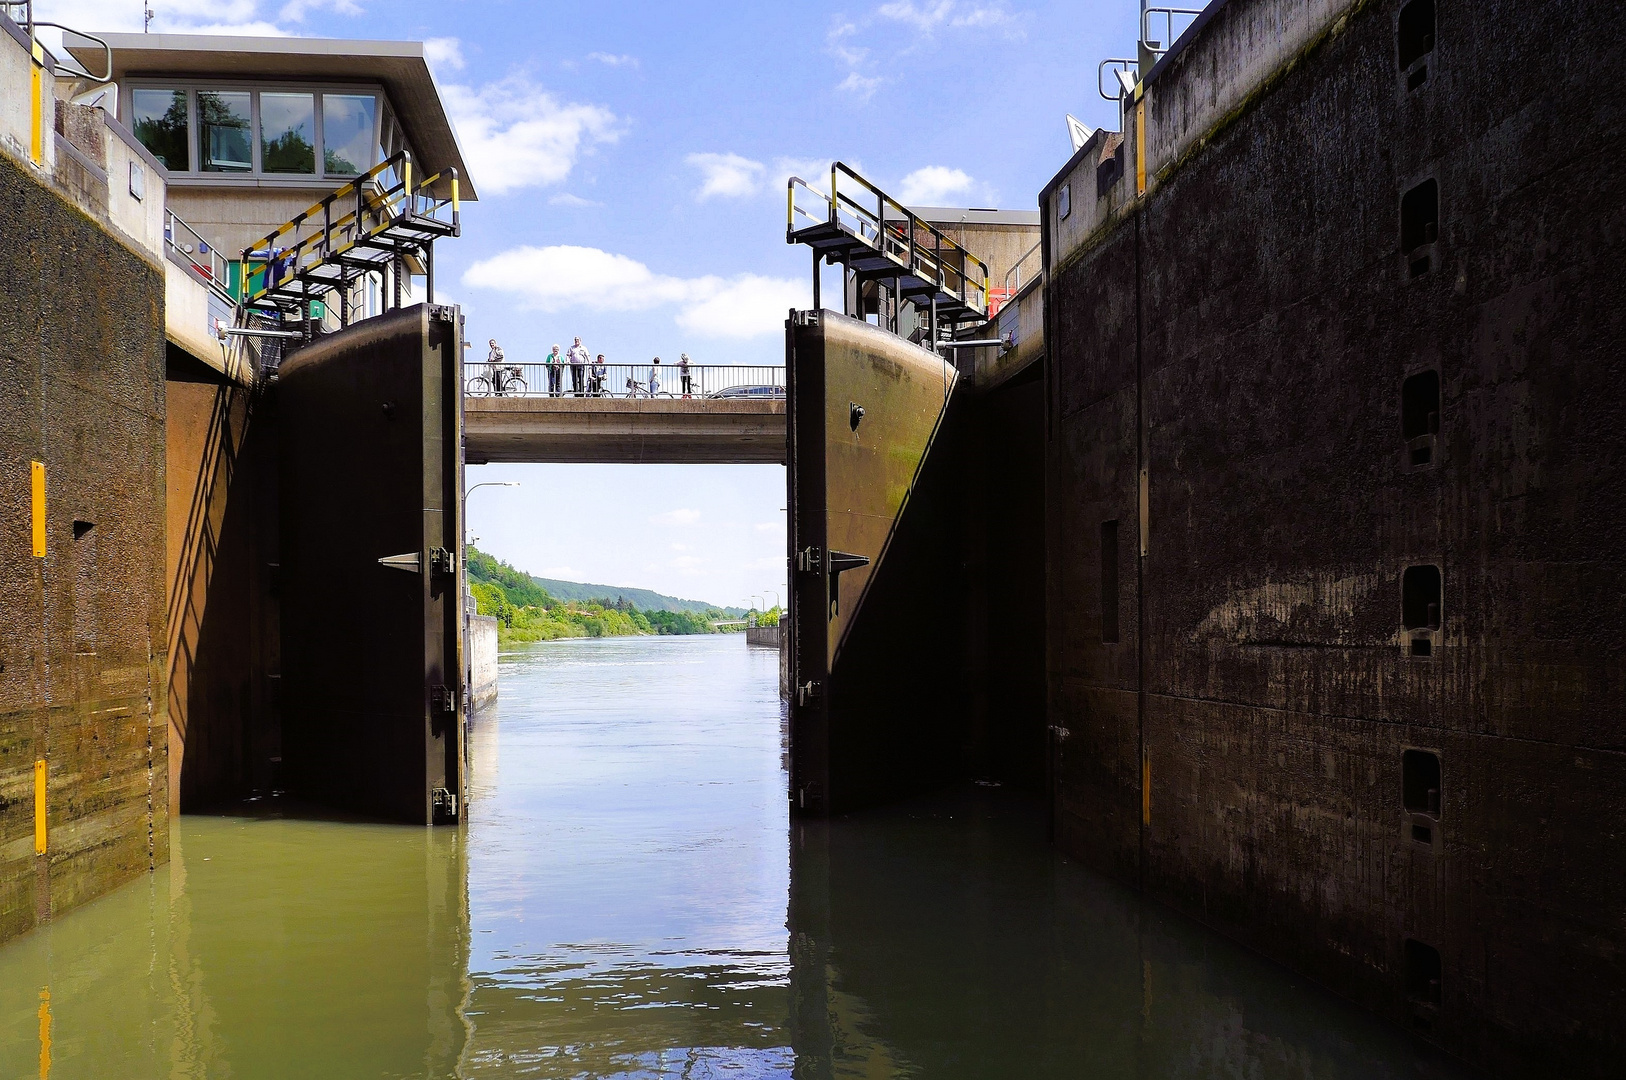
(810, 560)
(442, 561)
(443, 699)
(444, 801)
(840, 563)
(808, 691)
(805, 318)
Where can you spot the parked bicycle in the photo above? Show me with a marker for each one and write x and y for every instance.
(498, 381)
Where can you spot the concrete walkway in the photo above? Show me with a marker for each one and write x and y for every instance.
(641, 430)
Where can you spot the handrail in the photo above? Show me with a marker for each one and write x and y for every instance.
(892, 229)
(84, 72)
(1168, 14)
(388, 204)
(1124, 64)
(508, 378)
(217, 269)
(1017, 269)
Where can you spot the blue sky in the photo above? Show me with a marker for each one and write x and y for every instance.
(631, 158)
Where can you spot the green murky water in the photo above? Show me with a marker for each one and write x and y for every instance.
(630, 899)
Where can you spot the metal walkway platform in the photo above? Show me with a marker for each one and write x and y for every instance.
(385, 222)
(878, 239)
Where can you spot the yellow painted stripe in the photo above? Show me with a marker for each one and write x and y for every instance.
(455, 203)
(36, 144)
(1146, 790)
(45, 1033)
(1140, 147)
(39, 807)
(37, 487)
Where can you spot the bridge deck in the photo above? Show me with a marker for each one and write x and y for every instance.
(632, 430)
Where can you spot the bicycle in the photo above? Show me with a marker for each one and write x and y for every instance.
(499, 382)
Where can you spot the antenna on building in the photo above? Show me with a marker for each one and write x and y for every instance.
(1078, 131)
(146, 17)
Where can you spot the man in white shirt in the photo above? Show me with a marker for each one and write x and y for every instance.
(578, 366)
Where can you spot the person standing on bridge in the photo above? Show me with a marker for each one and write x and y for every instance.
(555, 364)
(683, 373)
(596, 376)
(578, 367)
(494, 365)
(655, 377)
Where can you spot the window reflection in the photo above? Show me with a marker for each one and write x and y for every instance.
(223, 131)
(159, 120)
(347, 133)
(287, 133)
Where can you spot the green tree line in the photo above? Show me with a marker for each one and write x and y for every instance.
(525, 611)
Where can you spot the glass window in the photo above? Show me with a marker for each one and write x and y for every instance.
(159, 120)
(288, 133)
(224, 140)
(347, 133)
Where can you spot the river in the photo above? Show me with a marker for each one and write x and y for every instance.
(631, 899)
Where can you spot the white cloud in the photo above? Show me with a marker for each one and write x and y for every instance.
(928, 17)
(750, 306)
(933, 186)
(296, 10)
(613, 60)
(565, 276)
(729, 176)
(227, 17)
(565, 198)
(862, 87)
(676, 517)
(515, 134)
(443, 52)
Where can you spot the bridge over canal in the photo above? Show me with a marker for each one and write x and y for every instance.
(731, 414)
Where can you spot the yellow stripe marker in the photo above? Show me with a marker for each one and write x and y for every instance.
(45, 1033)
(39, 807)
(36, 144)
(37, 483)
(1140, 146)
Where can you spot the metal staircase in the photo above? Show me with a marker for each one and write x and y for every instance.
(383, 222)
(879, 240)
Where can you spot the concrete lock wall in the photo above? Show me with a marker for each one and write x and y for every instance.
(83, 658)
(1262, 514)
(482, 647)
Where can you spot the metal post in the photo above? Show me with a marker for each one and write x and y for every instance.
(344, 300)
(816, 279)
(397, 264)
(429, 272)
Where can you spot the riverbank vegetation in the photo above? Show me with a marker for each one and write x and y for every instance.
(525, 611)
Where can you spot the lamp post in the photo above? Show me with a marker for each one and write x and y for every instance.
(463, 574)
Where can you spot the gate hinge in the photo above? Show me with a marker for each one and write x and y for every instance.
(444, 802)
(810, 560)
(805, 318)
(442, 561)
(808, 691)
(442, 699)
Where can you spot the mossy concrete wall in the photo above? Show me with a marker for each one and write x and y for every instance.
(1227, 359)
(82, 656)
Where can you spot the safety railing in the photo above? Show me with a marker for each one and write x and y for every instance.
(865, 212)
(362, 225)
(1028, 267)
(1159, 46)
(193, 249)
(509, 379)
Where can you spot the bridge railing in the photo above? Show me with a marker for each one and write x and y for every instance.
(509, 379)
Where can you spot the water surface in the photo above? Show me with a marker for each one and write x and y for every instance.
(631, 899)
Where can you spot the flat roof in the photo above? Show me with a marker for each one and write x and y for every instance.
(975, 215)
(398, 65)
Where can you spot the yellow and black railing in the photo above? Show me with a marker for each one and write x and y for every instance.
(383, 222)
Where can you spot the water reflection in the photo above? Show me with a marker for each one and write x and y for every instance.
(624, 903)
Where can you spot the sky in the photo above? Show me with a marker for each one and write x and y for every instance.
(630, 160)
